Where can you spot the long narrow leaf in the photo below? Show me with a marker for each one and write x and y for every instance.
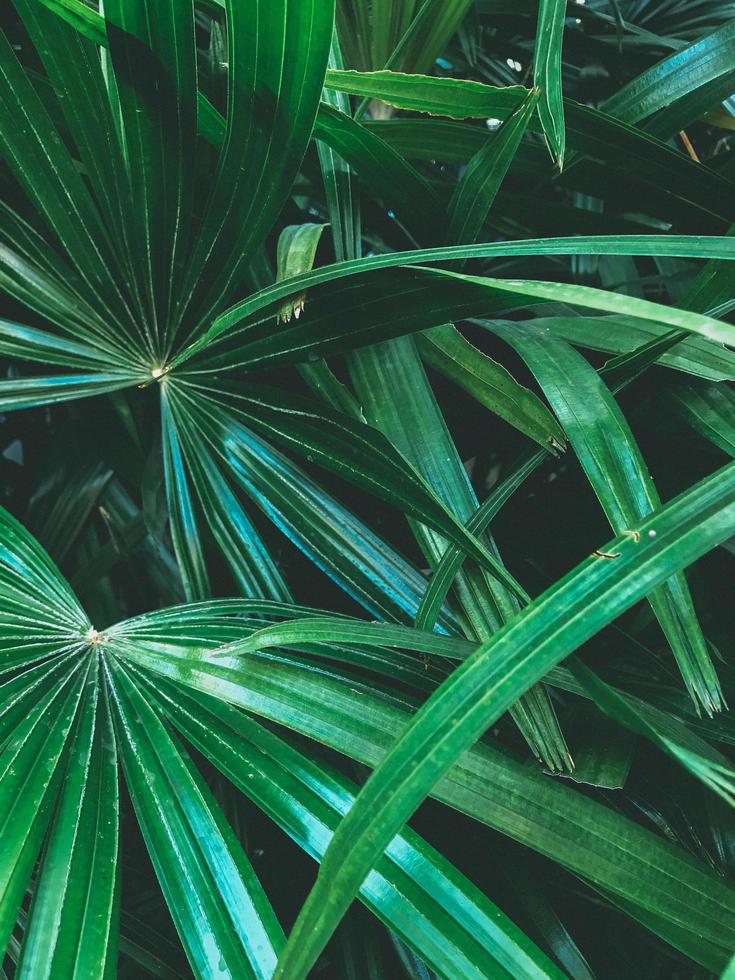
(612, 461)
(479, 690)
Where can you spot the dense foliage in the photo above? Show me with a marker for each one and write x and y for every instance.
(367, 408)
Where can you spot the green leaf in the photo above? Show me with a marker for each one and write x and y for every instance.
(709, 409)
(622, 146)
(152, 53)
(620, 334)
(333, 629)
(622, 164)
(297, 245)
(39, 608)
(343, 202)
(430, 31)
(75, 12)
(182, 514)
(223, 917)
(72, 923)
(547, 75)
(389, 176)
(266, 301)
(454, 97)
(253, 568)
(51, 389)
(364, 564)
(278, 56)
(603, 754)
(524, 885)
(356, 452)
(612, 461)
(451, 925)
(482, 687)
(398, 398)
(74, 69)
(451, 560)
(31, 770)
(400, 301)
(342, 711)
(32, 344)
(59, 511)
(693, 753)
(447, 351)
(39, 160)
(478, 186)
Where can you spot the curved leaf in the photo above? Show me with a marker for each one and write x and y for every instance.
(478, 691)
(612, 461)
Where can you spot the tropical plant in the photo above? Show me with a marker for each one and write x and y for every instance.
(290, 287)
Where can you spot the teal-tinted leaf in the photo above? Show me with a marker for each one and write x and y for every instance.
(51, 389)
(345, 713)
(360, 454)
(414, 890)
(344, 547)
(31, 771)
(547, 74)
(353, 450)
(680, 88)
(71, 928)
(32, 344)
(483, 686)
(223, 917)
(48, 293)
(185, 533)
(252, 566)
